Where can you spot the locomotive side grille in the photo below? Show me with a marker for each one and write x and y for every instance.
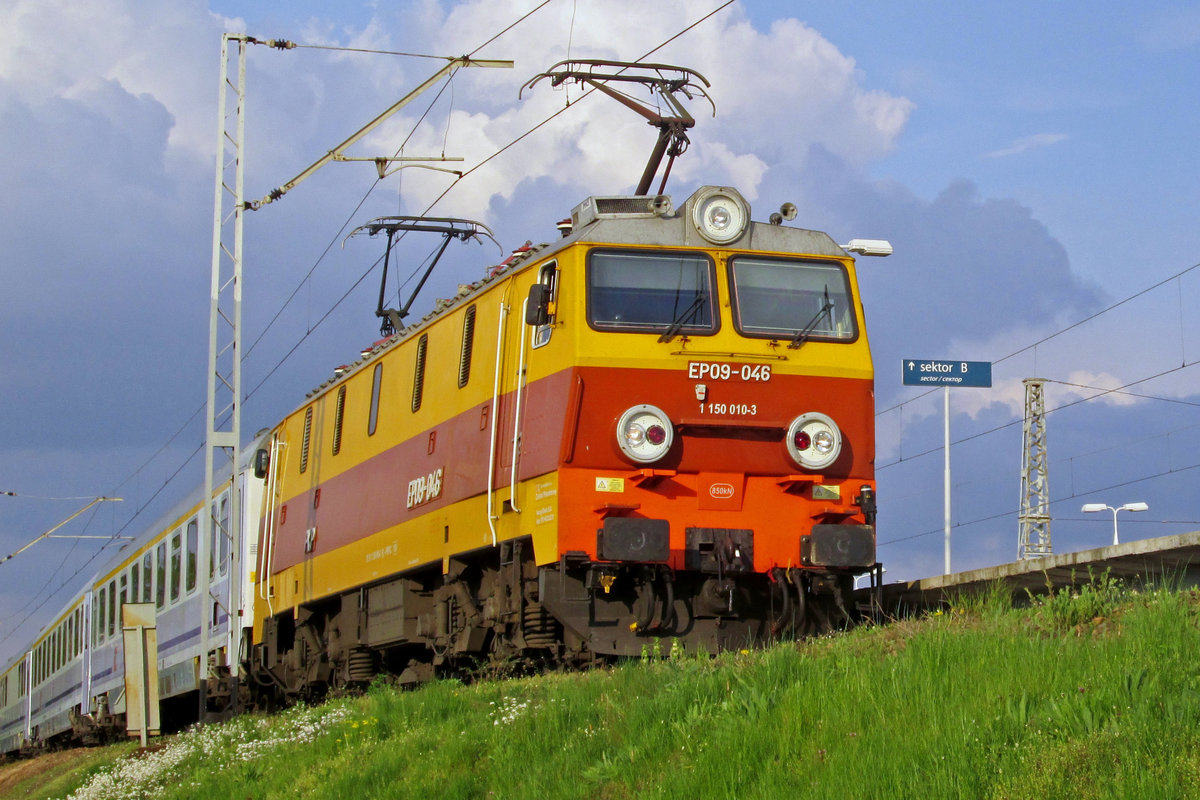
(468, 345)
(419, 377)
(339, 415)
(308, 412)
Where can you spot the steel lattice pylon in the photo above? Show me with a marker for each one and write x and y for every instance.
(1033, 540)
(224, 408)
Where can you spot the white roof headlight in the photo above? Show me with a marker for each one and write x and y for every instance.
(720, 216)
(814, 441)
(645, 433)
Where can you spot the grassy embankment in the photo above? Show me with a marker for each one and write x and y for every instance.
(1092, 694)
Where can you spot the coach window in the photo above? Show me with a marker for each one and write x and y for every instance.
(112, 608)
(548, 277)
(124, 590)
(147, 577)
(193, 550)
(160, 575)
(102, 615)
(651, 292)
(176, 563)
(376, 383)
(214, 534)
(98, 618)
(468, 347)
(134, 575)
(224, 534)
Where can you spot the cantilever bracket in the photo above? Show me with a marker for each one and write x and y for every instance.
(665, 79)
(449, 227)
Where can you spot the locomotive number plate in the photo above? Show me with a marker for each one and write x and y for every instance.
(724, 371)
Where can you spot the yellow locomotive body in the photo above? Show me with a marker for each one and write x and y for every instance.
(655, 427)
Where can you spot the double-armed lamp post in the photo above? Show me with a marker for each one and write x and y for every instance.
(1093, 507)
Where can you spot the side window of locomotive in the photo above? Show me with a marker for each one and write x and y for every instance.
(376, 383)
(788, 299)
(651, 292)
(547, 277)
(468, 347)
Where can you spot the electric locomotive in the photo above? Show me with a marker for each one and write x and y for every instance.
(659, 426)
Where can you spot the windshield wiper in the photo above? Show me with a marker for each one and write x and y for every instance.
(802, 335)
(684, 317)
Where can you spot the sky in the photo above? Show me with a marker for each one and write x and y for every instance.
(1033, 165)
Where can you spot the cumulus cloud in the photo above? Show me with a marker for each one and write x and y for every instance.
(811, 96)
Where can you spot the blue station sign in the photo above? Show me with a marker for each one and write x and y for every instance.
(929, 372)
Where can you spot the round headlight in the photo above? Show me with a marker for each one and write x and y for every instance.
(644, 433)
(814, 441)
(720, 216)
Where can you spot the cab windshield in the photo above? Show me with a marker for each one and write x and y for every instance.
(790, 299)
(651, 292)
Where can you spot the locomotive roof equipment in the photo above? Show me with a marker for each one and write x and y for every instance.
(672, 128)
(449, 227)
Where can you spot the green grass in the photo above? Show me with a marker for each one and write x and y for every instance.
(1089, 694)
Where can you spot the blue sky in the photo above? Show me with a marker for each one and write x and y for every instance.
(1032, 164)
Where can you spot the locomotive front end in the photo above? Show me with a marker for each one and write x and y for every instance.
(716, 481)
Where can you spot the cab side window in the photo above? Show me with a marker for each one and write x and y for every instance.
(543, 318)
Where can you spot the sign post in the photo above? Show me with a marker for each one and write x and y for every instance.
(947, 374)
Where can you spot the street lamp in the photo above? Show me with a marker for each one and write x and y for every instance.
(1090, 507)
